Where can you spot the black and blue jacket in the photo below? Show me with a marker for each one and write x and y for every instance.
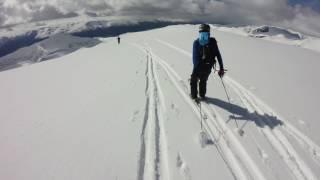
(204, 57)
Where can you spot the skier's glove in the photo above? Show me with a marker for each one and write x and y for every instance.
(221, 73)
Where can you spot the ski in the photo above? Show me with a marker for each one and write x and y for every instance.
(198, 100)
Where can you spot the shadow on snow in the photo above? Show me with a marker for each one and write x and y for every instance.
(241, 113)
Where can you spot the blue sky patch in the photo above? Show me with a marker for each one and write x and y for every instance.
(314, 4)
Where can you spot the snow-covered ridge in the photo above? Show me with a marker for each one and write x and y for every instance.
(275, 34)
(15, 37)
(20, 44)
(9, 44)
(52, 47)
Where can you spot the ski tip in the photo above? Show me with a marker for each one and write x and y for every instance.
(198, 100)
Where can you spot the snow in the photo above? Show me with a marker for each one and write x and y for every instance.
(53, 47)
(113, 111)
(275, 34)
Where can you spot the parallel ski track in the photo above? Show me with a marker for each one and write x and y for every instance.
(278, 140)
(153, 161)
(303, 140)
(239, 162)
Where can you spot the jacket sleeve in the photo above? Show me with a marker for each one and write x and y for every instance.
(219, 57)
(195, 54)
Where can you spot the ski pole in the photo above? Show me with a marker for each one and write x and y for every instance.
(225, 90)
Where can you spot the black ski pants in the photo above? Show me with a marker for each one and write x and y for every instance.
(201, 78)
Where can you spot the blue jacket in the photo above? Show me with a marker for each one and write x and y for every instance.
(213, 53)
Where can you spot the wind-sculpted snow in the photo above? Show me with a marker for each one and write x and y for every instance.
(275, 34)
(265, 31)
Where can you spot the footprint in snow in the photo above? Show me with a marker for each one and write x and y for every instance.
(183, 167)
(204, 139)
(175, 109)
(134, 116)
(264, 156)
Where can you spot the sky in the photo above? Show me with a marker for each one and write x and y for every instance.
(314, 4)
(300, 15)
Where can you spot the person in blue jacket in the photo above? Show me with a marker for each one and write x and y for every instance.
(205, 51)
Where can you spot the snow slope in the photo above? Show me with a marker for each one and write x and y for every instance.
(123, 112)
(53, 47)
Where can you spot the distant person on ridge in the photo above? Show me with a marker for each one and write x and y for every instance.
(118, 39)
(205, 50)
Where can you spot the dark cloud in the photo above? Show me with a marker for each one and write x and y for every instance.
(237, 12)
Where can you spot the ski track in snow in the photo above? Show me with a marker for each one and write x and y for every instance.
(153, 163)
(302, 139)
(239, 162)
(275, 136)
(153, 157)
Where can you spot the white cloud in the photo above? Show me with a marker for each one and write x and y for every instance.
(273, 12)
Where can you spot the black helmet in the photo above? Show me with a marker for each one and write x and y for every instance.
(204, 28)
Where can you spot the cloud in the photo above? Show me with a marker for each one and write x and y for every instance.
(237, 12)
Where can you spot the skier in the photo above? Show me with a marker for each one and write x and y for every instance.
(205, 50)
(118, 39)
